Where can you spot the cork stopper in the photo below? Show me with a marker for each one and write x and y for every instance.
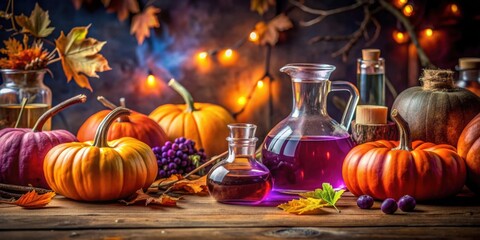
(371, 114)
(437, 79)
(468, 63)
(370, 54)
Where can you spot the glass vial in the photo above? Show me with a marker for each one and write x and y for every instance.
(371, 78)
(469, 74)
(19, 84)
(240, 178)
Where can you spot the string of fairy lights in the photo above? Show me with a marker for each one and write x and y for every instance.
(229, 55)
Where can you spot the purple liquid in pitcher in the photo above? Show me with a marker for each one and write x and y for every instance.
(303, 164)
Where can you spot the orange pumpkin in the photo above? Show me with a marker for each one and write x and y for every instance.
(101, 171)
(204, 123)
(388, 169)
(136, 125)
(469, 149)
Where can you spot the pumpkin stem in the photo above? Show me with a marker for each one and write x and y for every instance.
(437, 79)
(54, 110)
(22, 107)
(105, 102)
(405, 140)
(187, 97)
(100, 139)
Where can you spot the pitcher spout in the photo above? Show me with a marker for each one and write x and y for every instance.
(308, 71)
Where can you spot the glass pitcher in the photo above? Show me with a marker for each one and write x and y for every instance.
(308, 147)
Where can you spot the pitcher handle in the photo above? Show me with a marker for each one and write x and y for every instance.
(352, 101)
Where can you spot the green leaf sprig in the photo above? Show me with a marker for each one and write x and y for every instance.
(312, 202)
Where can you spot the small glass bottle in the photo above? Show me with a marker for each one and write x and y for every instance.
(469, 74)
(371, 78)
(19, 84)
(240, 178)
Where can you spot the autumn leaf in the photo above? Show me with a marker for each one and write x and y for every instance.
(268, 32)
(163, 200)
(303, 206)
(142, 22)
(12, 46)
(261, 6)
(80, 56)
(197, 186)
(32, 200)
(122, 7)
(36, 24)
(78, 3)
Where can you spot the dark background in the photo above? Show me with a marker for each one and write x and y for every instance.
(188, 27)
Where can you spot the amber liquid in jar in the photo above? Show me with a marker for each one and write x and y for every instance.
(32, 112)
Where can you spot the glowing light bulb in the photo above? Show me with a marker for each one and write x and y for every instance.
(203, 55)
(228, 53)
(253, 37)
(151, 81)
(242, 100)
(428, 32)
(400, 37)
(400, 3)
(454, 8)
(260, 84)
(408, 10)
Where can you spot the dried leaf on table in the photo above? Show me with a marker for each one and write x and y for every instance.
(36, 24)
(327, 194)
(142, 22)
(80, 56)
(122, 7)
(261, 6)
(32, 200)
(269, 32)
(303, 206)
(163, 200)
(197, 186)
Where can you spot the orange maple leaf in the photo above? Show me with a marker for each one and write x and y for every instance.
(268, 32)
(122, 7)
(163, 200)
(32, 200)
(142, 22)
(197, 186)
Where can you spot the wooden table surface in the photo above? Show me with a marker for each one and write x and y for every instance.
(203, 218)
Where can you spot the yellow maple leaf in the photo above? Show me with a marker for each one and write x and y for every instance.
(261, 6)
(122, 7)
(36, 24)
(80, 56)
(303, 206)
(268, 32)
(142, 22)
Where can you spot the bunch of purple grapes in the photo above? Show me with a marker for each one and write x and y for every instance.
(179, 157)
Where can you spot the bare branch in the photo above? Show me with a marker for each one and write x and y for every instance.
(354, 37)
(424, 60)
(376, 34)
(326, 13)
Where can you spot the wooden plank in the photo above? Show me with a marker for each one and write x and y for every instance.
(204, 212)
(253, 233)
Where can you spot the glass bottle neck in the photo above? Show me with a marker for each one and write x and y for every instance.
(469, 75)
(24, 78)
(310, 97)
(244, 147)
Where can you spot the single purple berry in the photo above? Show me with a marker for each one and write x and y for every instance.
(175, 146)
(168, 144)
(389, 206)
(171, 153)
(365, 202)
(407, 203)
